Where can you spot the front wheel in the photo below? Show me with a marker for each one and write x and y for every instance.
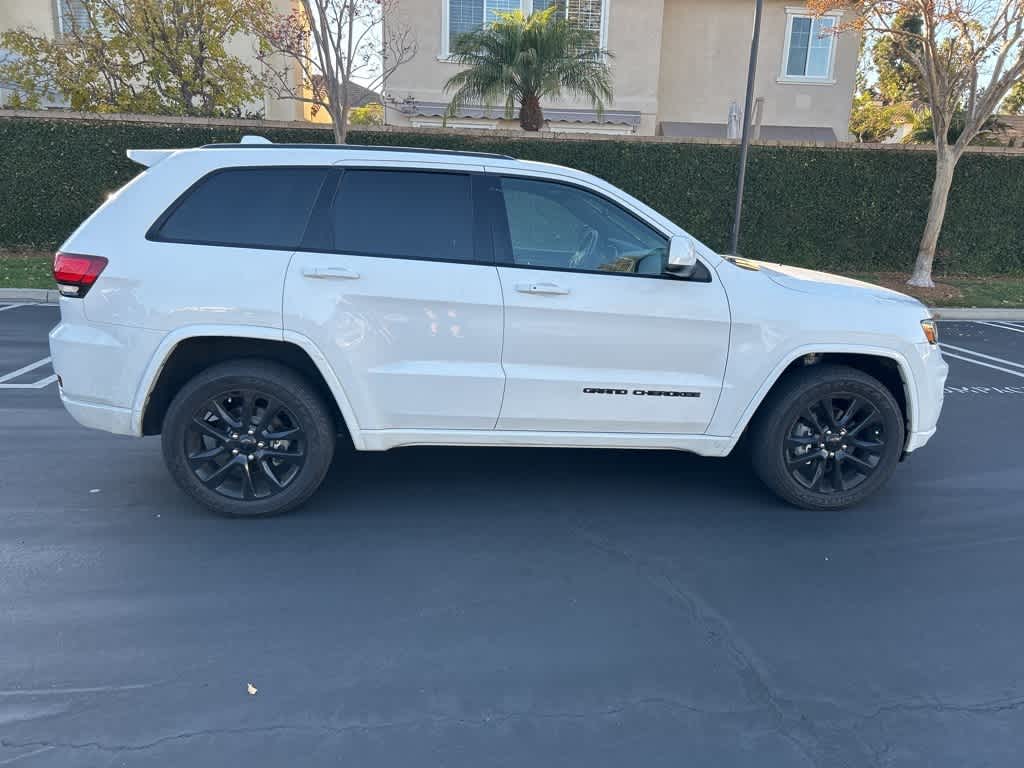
(828, 437)
(248, 438)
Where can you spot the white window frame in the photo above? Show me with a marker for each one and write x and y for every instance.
(527, 8)
(59, 7)
(795, 12)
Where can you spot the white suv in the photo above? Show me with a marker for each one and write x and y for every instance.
(251, 301)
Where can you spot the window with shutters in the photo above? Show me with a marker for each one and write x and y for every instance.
(461, 16)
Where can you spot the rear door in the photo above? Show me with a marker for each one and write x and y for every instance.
(396, 285)
(598, 336)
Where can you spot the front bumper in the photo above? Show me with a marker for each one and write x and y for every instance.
(931, 383)
(917, 439)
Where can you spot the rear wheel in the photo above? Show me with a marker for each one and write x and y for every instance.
(827, 438)
(248, 438)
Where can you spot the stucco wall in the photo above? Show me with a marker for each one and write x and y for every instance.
(634, 27)
(704, 55)
(675, 60)
(38, 14)
(244, 47)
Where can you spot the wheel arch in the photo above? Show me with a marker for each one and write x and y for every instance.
(184, 354)
(886, 365)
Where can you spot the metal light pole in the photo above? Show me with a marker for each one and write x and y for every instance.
(755, 43)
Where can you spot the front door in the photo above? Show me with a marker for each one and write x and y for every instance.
(598, 337)
(403, 299)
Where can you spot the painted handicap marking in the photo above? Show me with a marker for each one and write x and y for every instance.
(983, 390)
(985, 360)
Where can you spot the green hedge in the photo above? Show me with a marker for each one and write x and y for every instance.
(836, 209)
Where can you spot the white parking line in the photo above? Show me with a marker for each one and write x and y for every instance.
(34, 385)
(23, 755)
(1004, 327)
(11, 306)
(944, 346)
(987, 365)
(26, 369)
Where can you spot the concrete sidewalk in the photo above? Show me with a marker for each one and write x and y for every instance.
(27, 295)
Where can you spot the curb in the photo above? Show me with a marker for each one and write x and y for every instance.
(52, 296)
(30, 295)
(976, 313)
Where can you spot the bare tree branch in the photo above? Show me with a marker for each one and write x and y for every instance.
(970, 54)
(334, 43)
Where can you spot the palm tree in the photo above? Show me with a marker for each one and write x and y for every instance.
(523, 60)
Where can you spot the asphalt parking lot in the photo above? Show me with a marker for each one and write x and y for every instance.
(485, 607)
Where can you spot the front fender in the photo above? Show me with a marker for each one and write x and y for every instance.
(733, 419)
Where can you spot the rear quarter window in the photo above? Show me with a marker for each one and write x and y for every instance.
(246, 207)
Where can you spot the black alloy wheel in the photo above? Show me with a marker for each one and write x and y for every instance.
(249, 437)
(244, 444)
(827, 436)
(835, 443)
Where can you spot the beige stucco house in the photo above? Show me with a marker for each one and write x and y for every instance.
(679, 66)
(49, 17)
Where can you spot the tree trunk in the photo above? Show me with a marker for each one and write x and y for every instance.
(531, 116)
(339, 122)
(945, 164)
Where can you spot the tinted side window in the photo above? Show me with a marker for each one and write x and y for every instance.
(254, 207)
(555, 225)
(414, 214)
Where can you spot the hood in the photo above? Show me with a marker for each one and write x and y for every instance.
(825, 284)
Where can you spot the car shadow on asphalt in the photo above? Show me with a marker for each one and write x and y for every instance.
(450, 488)
(472, 483)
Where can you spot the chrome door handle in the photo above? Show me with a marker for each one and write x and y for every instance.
(330, 273)
(543, 288)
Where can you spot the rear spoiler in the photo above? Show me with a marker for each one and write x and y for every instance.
(149, 157)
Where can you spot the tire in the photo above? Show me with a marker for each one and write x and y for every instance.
(795, 432)
(266, 467)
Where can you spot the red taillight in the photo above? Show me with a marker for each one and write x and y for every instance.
(75, 273)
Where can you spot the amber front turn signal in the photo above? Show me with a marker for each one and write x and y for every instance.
(931, 331)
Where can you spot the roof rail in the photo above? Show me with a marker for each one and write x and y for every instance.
(252, 142)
